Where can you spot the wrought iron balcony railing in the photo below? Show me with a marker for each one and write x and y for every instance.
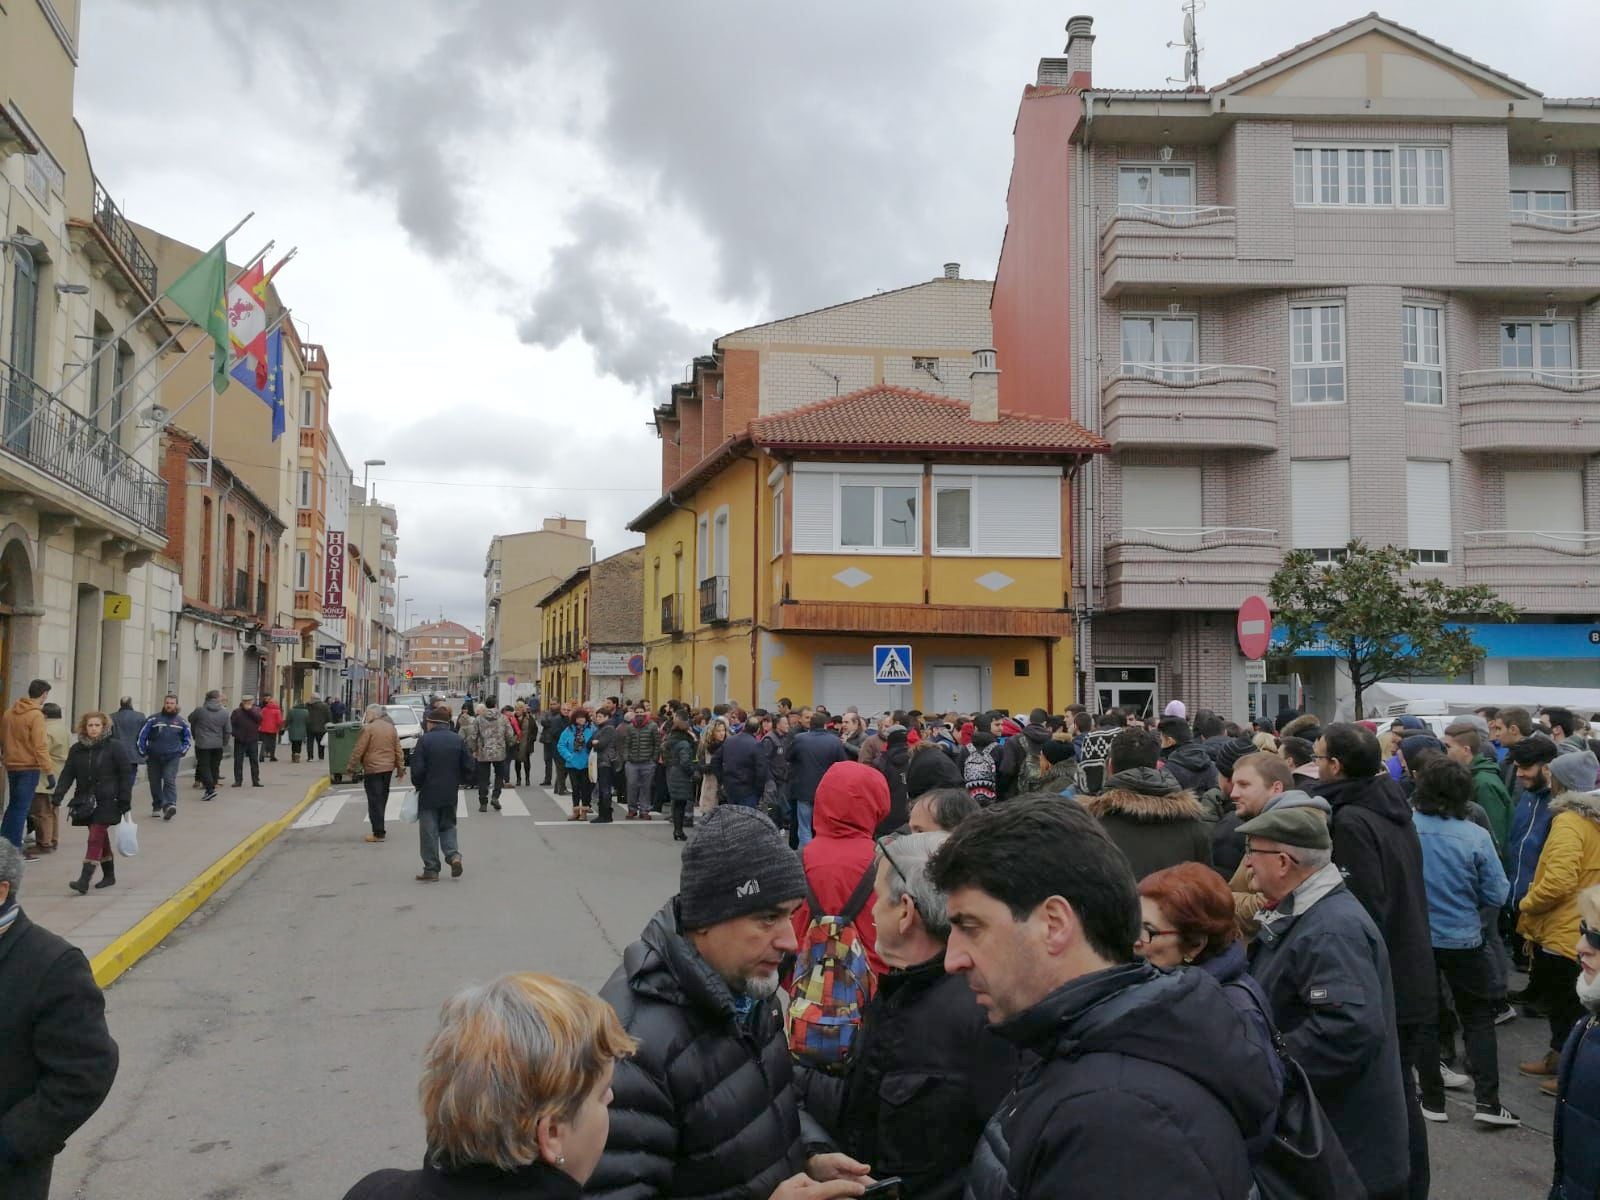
(714, 600)
(110, 221)
(45, 433)
(672, 614)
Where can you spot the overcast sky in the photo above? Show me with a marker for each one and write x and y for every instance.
(519, 219)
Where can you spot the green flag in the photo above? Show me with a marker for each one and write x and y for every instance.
(202, 293)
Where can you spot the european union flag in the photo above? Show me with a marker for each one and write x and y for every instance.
(266, 379)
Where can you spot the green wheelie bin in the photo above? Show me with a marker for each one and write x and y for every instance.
(341, 740)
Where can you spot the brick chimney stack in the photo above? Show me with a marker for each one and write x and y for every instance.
(1080, 48)
(985, 386)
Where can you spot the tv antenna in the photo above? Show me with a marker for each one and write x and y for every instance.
(1191, 46)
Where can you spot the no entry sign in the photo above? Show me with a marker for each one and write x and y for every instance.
(1255, 627)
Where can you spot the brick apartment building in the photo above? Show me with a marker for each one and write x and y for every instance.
(430, 650)
(1345, 293)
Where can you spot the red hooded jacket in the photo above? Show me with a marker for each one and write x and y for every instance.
(851, 800)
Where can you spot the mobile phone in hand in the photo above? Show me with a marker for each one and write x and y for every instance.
(885, 1189)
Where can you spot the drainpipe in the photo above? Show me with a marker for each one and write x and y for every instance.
(1089, 388)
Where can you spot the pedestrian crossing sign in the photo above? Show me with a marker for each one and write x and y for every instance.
(891, 664)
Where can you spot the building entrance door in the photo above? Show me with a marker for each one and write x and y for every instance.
(956, 689)
(1127, 688)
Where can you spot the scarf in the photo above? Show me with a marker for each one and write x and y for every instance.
(9, 912)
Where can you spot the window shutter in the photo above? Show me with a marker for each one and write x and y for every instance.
(1541, 179)
(1320, 499)
(1427, 505)
(1161, 498)
(1544, 501)
(1018, 514)
(813, 513)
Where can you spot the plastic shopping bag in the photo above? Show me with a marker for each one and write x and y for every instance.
(127, 836)
(408, 806)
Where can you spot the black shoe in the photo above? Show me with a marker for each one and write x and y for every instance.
(169, 812)
(482, 807)
(81, 883)
(455, 866)
(1497, 1116)
(600, 820)
(496, 804)
(108, 870)
(679, 835)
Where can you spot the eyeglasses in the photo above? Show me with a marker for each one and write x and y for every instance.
(1589, 934)
(1248, 852)
(1149, 933)
(883, 848)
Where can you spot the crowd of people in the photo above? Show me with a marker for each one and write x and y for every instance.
(988, 957)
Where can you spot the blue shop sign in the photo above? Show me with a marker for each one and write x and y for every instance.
(1533, 641)
(331, 652)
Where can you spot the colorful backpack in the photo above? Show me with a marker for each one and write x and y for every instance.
(832, 981)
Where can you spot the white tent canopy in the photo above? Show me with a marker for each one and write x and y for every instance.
(1463, 698)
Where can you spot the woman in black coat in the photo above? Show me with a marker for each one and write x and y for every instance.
(99, 768)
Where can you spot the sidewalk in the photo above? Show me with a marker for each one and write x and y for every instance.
(171, 853)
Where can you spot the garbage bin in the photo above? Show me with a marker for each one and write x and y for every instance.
(341, 740)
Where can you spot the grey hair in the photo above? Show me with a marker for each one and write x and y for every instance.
(908, 875)
(1315, 859)
(373, 712)
(10, 867)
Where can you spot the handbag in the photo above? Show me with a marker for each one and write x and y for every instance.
(127, 837)
(1306, 1160)
(80, 809)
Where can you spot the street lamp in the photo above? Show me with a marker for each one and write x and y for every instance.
(366, 465)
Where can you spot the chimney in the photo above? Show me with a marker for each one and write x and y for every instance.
(952, 270)
(1080, 47)
(985, 386)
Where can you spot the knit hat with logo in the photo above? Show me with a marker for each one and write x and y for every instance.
(736, 864)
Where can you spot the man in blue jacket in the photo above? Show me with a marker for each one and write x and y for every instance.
(810, 755)
(441, 765)
(1530, 821)
(163, 741)
(740, 766)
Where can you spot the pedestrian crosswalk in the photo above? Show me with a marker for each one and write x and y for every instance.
(327, 809)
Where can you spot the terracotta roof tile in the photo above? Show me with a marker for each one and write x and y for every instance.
(897, 418)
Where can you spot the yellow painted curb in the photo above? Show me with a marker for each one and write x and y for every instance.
(149, 933)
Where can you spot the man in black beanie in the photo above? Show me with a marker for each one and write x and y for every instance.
(709, 1104)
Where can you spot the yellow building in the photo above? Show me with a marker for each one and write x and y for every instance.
(885, 516)
(593, 621)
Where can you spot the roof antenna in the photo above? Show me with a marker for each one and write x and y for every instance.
(1191, 47)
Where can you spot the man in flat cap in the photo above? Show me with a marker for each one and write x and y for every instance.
(1323, 965)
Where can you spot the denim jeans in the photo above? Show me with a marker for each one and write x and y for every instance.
(742, 801)
(802, 822)
(437, 828)
(163, 774)
(21, 785)
(641, 780)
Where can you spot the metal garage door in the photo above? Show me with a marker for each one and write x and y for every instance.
(841, 684)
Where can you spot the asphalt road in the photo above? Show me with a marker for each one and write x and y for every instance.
(271, 1047)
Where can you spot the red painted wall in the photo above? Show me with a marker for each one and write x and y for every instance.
(1031, 304)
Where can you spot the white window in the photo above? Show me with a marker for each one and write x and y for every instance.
(1158, 346)
(702, 548)
(302, 570)
(952, 514)
(1365, 176)
(877, 516)
(1319, 495)
(1162, 501)
(1428, 511)
(1423, 365)
(305, 489)
(1537, 346)
(1317, 354)
(719, 544)
(1536, 190)
(1544, 501)
(1155, 187)
(777, 521)
(308, 408)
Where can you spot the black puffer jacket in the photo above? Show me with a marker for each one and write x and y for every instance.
(1152, 820)
(928, 768)
(103, 770)
(708, 1107)
(1376, 846)
(1192, 767)
(1136, 1067)
(892, 763)
(925, 1076)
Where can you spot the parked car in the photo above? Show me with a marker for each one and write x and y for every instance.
(414, 700)
(408, 724)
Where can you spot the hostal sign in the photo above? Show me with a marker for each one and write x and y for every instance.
(333, 581)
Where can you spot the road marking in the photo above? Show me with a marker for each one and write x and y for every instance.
(512, 804)
(323, 811)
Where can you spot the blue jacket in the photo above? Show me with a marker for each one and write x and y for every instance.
(741, 767)
(1530, 826)
(1577, 1125)
(440, 764)
(1463, 874)
(165, 735)
(573, 752)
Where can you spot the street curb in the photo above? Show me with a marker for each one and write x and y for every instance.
(150, 932)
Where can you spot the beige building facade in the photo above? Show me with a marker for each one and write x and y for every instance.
(593, 640)
(518, 570)
(1347, 293)
(86, 603)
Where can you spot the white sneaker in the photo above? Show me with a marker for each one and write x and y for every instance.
(1454, 1080)
(1430, 1113)
(1508, 1013)
(1497, 1115)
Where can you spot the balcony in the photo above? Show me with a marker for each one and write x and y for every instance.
(714, 600)
(1529, 411)
(1553, 235)
(672, 615)
(1148, 245)
(261, 599)
(54, 440)
(241, 590)
(1538, 570)
(1161, 405)
(109, 242)
(1189, 566)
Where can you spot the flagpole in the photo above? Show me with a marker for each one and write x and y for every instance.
(128, 382)
(143, 313)
(193, 396)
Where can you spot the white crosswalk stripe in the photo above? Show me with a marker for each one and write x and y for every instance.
(328, 808)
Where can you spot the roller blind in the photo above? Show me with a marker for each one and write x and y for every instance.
(1427, 505)
(813, 513)
(1541, 179)
(1320, 498)
(1544, 501)
(1161, 497)
(1019, 514)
